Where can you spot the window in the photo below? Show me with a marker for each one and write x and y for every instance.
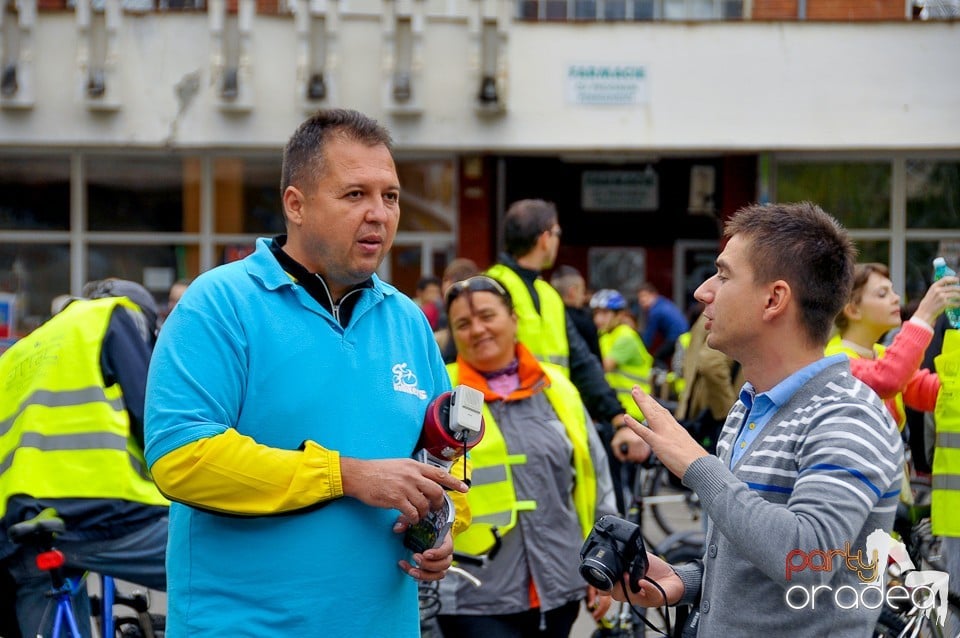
(35, 193)
(135, 194)
(901, 211)
(856, 193)
(933, 194)
(627, 10)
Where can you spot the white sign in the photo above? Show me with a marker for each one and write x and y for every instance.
(619, 190)
(611, 84)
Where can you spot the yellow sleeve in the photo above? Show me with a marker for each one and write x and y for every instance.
(461, 469)
(233, 473)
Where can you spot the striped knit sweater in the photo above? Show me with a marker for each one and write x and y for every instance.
(822, 475)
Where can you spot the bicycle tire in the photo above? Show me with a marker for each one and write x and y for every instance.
(129, 626)
(653, 491)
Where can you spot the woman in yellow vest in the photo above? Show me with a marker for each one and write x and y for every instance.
(873, 310)
(626, 361)
(540, 479)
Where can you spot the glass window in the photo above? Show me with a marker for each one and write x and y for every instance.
(919, 275)
(856, 193)
(873, 251)
(227, 253)
(34, 193)
(527, 10)
(428, 198)
(35, 273)
(585, 9)
(154, 266)
(933, 194)
(135, 193)
(643, 10)
(248, 195)
(556, 9)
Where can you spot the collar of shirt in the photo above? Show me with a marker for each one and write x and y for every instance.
(314, 283)
(761, 407)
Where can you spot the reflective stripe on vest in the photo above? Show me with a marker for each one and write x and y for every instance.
(945, 495)
(624, 377)
(56, 413)
(492, 496)
(544, 334)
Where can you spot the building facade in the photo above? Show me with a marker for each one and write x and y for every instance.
(142, 139)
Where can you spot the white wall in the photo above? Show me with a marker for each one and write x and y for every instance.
(712, 86)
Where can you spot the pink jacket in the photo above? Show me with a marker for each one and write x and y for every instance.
(897, 371)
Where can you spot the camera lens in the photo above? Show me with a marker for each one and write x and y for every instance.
(598, 573)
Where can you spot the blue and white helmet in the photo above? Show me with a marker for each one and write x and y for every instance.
(607, 299)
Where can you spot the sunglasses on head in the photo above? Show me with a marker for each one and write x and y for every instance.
(478, 283)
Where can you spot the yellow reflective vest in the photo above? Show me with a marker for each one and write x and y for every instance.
(625, 376)
(492, 496)
(945, 504)
(543, 333)
(894, 404)
(63, 433)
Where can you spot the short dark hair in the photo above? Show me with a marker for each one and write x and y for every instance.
(807, 248)
(524, 222)
(428, 280)
(565, 277)
(303, 156)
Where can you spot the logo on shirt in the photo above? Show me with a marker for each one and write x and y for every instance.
(925, 589)
(404, 380)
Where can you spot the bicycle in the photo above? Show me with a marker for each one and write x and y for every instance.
(914, 618)
(39, 533)
(660, 491)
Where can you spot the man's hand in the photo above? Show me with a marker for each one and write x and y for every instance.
(412, 487)
(670, 441)
(432, 564)
(626, 445)
(649, 596)
(597, 602)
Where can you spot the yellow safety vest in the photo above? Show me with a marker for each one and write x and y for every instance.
(676, 376)
(544, 334)
(63, 434)
(945, 504)
(835, 346)
(492, 496)
(624, 377)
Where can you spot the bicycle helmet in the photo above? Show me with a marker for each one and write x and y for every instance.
(607, 299)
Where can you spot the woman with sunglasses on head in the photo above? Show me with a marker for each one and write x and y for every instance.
(540, 479)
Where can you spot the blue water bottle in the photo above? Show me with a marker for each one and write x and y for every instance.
(941, 269)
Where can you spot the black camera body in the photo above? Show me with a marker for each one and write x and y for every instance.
(614, 547)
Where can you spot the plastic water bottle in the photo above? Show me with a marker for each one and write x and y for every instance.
(941, 269)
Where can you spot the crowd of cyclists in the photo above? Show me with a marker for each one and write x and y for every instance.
(771, 392)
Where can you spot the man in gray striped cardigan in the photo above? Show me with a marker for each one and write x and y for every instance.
(808, 464)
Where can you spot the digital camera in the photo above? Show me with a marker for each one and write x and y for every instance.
(614, 547)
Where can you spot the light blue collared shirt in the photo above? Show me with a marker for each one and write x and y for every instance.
(760, 407)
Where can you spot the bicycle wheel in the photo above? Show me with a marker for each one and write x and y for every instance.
(663, 503)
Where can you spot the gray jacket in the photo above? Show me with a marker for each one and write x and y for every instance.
(822, 475)
(546, 542)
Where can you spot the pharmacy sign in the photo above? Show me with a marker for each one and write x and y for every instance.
(610, 84)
